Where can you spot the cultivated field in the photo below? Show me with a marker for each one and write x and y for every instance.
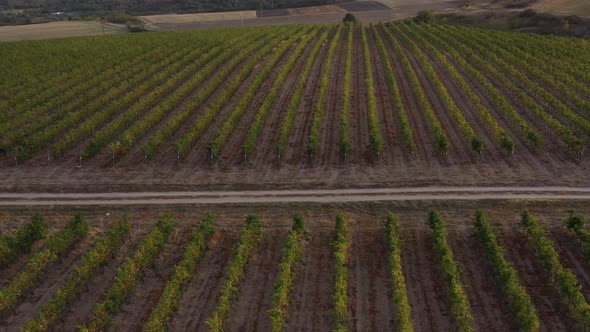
(436, 272)
(55, 30)
(298, 105)
(565, 7)
(385, 141)
(172, 19)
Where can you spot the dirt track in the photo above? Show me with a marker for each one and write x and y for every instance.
(296, 196)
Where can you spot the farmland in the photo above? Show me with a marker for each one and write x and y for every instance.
(356, 267)
(297, 102)
(56, 30)
(397, 176)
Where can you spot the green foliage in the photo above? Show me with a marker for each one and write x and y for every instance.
(204, 93)
(168, 81)
(460, 308)
(195, 74)
(320, 104)
(424, 16)
(460, 55)
(52, 118)
(122, 18)
(57, 245)
(202, 123)
(345, 140)
(523, 69)
(349, 18)
(296, 98)
(506, 276)
(259, 121)
(553, 79)
(341, 246)
(575, 223)
(406, 130)
(220, 64)
(145, 103)
(403, 320)
(375, 138)
(248, 242)
(565, 133)
(460, 121)
(562, 278)
(292, 253)
(183, 273)
(502, 137)
(228, 126)
(27, 106)
(129, 274)
(56, 95)
(95, 114)
(298, 223)
(441, 140)
(21, 241)
(76, 281)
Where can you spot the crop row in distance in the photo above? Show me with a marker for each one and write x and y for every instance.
(203, 235)
(176, 94)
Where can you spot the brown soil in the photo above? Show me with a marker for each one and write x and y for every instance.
(53, 279)
(256, 290)
(359, 118)
(310, 308)
(552, 314)
(548, 165)
(82, 309)
(267, 149)
(489, 308)
(328, 150)
(390, 129)
(135, 313)
(370, 303)
(296, 148)
(426, 292)
(199, 300)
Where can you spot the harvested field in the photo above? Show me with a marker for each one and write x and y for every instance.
(564, 7)
(55, 30)
(154, 20)
(361, 6)
(311, 301)
(314, 10)
(282, 16)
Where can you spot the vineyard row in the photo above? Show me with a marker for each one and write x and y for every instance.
(159, 316)
(467, 91)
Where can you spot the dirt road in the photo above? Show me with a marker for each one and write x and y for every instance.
(296, 196)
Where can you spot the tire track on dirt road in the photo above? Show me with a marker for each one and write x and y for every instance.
(290, 196)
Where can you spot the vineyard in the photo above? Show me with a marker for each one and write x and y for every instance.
(349, 177)
(367, 268)
(386, 94)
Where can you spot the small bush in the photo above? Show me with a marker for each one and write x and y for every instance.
(122, 18)
(424, 16)
(573, 19)
(349, 18)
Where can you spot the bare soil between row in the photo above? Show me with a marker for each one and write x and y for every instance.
(370, 303)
